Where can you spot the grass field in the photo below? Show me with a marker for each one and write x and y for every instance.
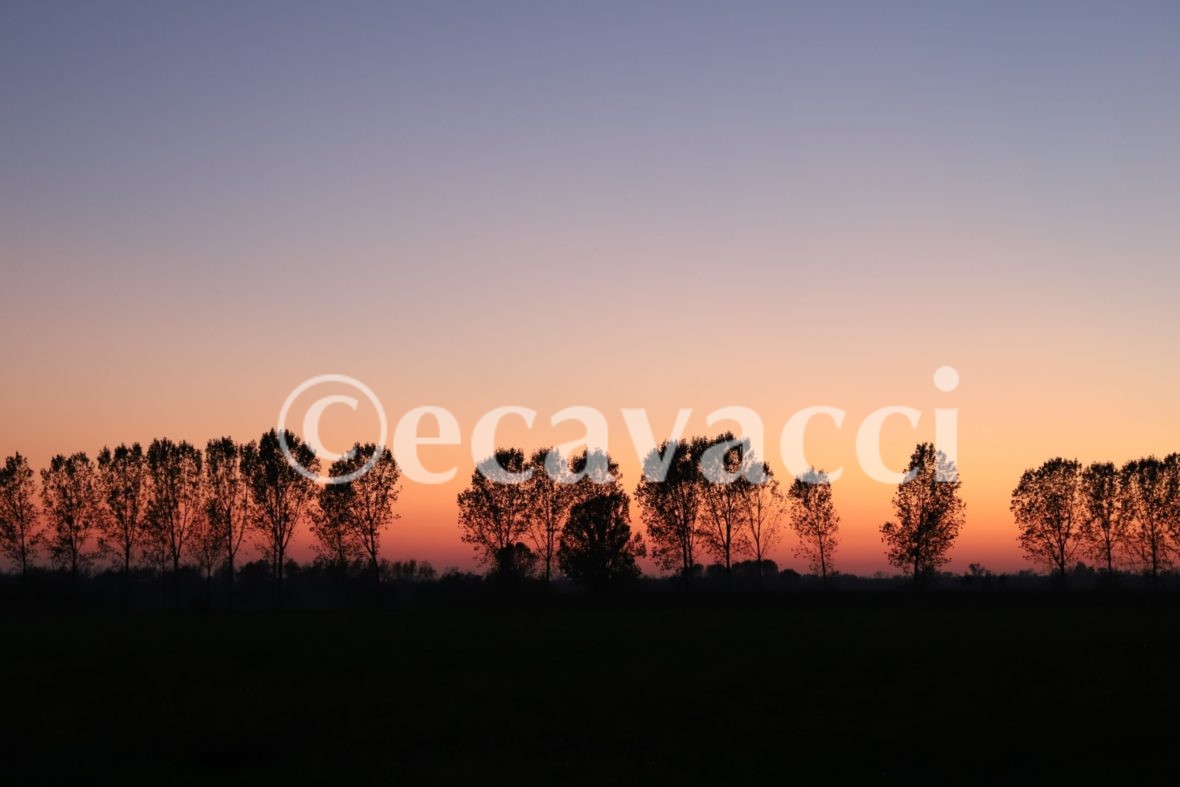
(956, 688)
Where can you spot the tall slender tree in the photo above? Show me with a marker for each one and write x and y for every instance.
(227, 497)
(1172, 508)
(814, 520)
(723, 478)
(20, 526)
(206, 546)
(762, 515)
(373, 496)
(494, 513)
(280, 495)
(550, 495)
(70, 494)
(331, 533)
(669, 497)
(354, 513)
(1050, 511)
(1146, 500)
(175, 501)
(929, 513)
(123, 482)
(1104, 531)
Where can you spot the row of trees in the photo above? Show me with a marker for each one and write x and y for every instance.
(574, 513)
(714, 496)
(173, 505)
(1119, 517)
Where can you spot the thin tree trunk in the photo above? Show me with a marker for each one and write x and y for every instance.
(230, 588)
(376, 566)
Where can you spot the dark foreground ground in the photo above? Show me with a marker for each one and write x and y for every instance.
(951, 689)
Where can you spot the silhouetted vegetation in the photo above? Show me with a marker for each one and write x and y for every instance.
(929, 513)
(814, 520)
(1126, 518)
(20, 536)
(176, 514)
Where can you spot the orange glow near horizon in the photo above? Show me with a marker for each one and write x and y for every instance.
(993, 449)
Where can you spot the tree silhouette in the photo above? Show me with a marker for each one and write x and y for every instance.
(1050, 512)
(550, 497)
(596, 473)
(929, 513)
(762, 516)
(227, 497)
(1148, 499)
(332, 537)
(371, 498)
(669, 502)
(597, 545)
(123, 482)
(513, 564)
(279, 494)
(353, 514)
(206, 543)
(20, 534)
(174, 501)
(724, 465)
(494, 514)
(70, 494)
(814, 520)
(1104, 529)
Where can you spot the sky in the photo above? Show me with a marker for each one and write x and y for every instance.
(614, 205)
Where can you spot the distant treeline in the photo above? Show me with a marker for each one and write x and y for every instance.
(174, 510)
(314, 585)
(1119, 517)
(174, 507)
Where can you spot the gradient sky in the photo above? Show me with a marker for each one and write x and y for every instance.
(653, 205)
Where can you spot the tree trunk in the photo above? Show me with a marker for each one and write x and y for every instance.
(376, 566)
(278, 577)
(230, 588)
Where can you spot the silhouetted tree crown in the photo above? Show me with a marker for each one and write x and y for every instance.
(123, 482)
(1150, 504)
(228, 496)
(1050, 513)
(1104, 531)
(814, 520)
(929, 513)
(175, 501)
(550, 495)
(669, 498)
(280, 495)
(20, 526)
(353, 514)
(70, 495)
(597, 545)
(494, 513)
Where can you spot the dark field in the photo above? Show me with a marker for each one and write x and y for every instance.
(950, 688)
